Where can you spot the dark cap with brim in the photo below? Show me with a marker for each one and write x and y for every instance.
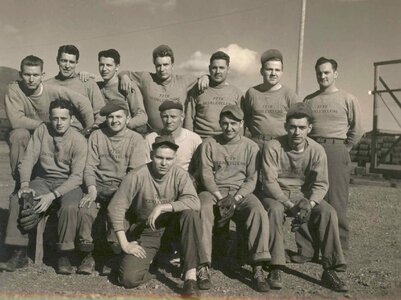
(235, 111)
(299, 109)
(271, 54)
(165, 140)
(112, 106)
(170, 104)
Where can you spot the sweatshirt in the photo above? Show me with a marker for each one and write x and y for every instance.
(265, 111)
(336, 115)
(285, 171)
(203, 109)
(134, 100)
(140, 192)
(88, 89)
(112, 156)
(29, 112)
(187, 141)
(154, 92)
(56, 157)
(232, 164)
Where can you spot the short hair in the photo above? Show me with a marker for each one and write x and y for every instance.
(220, 55)
(163, 51)
(32, 61)
(300, 115)
(322, 60)
(69, 49)
(62, 103)
(112, 53)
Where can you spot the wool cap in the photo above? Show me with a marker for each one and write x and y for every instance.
(165, 140)
(235, 110)
(112, 106)
(269, 54)
(169, 104)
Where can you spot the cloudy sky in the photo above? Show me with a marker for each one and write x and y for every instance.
(354, 32)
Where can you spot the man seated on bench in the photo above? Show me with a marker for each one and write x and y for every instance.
(229, 174)
(59, 153)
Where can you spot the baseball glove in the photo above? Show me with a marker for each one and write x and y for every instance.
(28, 218)
(301, 213)
(226, 208)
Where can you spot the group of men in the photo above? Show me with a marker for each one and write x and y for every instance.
(159, 150)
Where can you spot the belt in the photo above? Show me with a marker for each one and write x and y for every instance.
(323, 140)
(263, 137)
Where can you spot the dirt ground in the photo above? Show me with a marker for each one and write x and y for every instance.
(374, 261)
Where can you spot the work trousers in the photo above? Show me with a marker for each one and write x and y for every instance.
(93, 223)
(321, 231)
(249, 212)
(339, 169)
(18, 141)
(134, 271)
(67, 213)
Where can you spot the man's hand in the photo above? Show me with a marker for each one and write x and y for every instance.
(226, 207)
(85, 76)
(126, 84)
(153, 216)
(44, 202)
(203, 83)
(288, 204)
(89, 198)
(135, 249)
(26, 189)
(304, 209)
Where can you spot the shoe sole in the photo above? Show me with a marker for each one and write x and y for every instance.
(85, 272)
(275, 285)
(64, 272)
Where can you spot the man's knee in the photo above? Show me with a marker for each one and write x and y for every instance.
(19, 136)
(132, 279)
(275, 209)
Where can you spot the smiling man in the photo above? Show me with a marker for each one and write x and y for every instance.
(295, 181)
(27, 106)
(113, 151)
(266, 104)
(159, 86)
(203, 109)
(67, 60)
(229, 171)
(157, 195)
(60, 152)
(109, 63)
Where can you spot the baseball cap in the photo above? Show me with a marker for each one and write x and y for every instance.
(235, 110)
(112, 106)
(299, 109)
(269, 54)
(170, 104)
(165, 140)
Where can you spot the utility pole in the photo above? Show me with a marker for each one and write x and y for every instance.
(301, 47)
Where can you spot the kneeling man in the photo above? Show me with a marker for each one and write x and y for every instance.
(295, 180)
(154, 196)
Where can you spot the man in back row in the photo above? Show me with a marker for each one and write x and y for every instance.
(203, 108)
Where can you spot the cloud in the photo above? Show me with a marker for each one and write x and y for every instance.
(243, 61)
(151, 4)
(10, 29)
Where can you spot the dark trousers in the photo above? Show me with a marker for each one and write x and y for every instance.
(134, 271)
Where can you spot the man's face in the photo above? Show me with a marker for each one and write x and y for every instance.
(164, 67)
(117, 121)
(231, 128)
(107, 68)
(67, 64)
(31, 77)
(172, 119)
(61, 120)
(272, 71)
(325, 75)
(297, 131)
(218, 70)
(162, 160)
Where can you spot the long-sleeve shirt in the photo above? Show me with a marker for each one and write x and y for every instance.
(29, 112)
(336, 115)
(134, 100)
(112, 156)
(265, 110)
(140, 192)
(232, 164)
(203, 109)
(187, 141)
(285, 171)
(155, 92)
(57, 157)
(88, 89)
